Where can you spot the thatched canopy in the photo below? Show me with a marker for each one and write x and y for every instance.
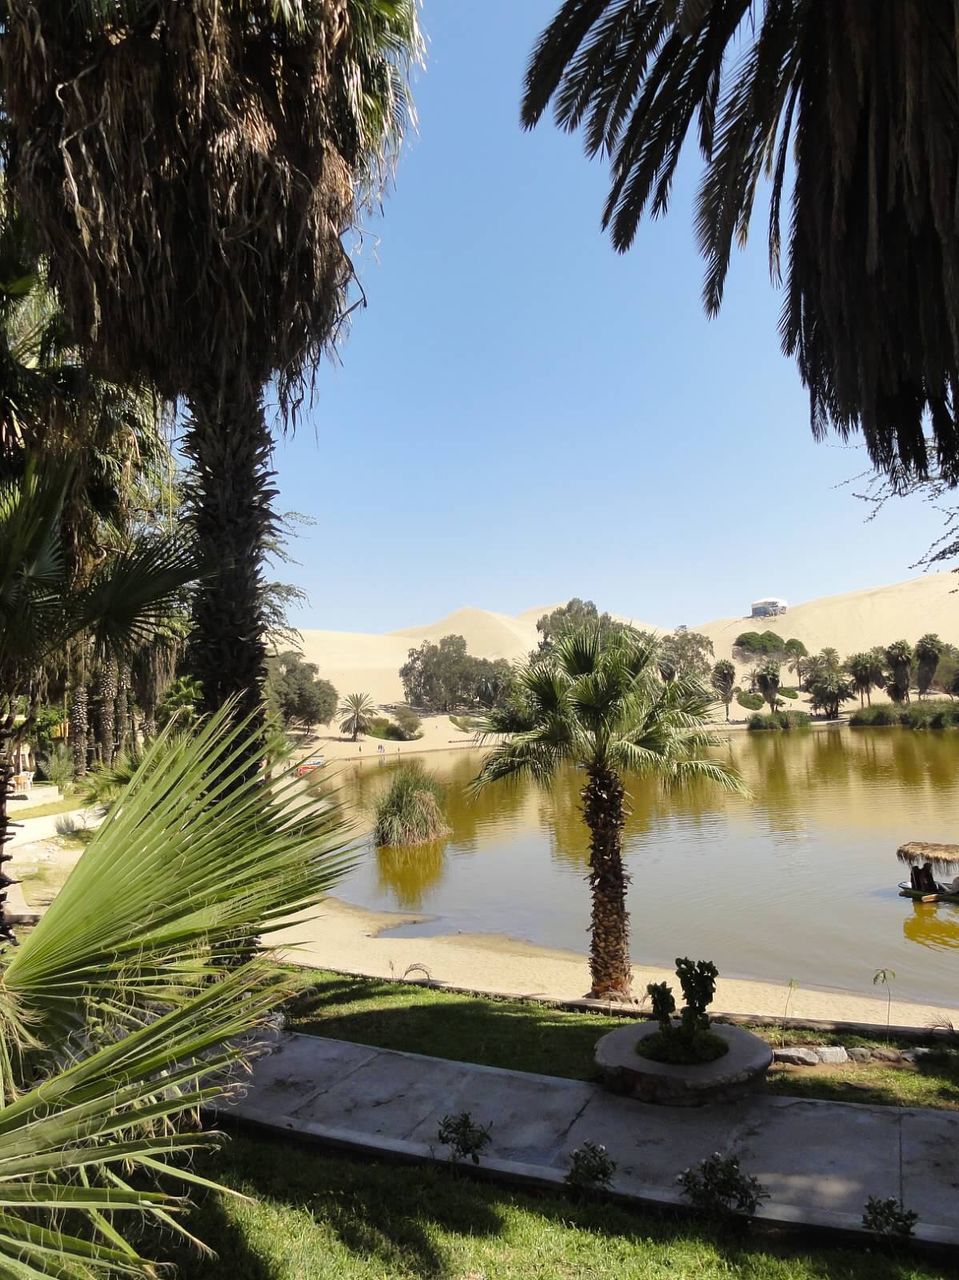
(917, 852)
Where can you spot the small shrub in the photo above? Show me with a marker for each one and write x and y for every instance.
(411, 811)
(719, 1189)
(590, 1168)
(889, 1218)
(749, 701)
(464, 1138)
(778, 722)
(408, 722)
(57, 767)
(788, 693)
(691, 1041)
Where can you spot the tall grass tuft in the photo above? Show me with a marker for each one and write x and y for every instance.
(411, 811)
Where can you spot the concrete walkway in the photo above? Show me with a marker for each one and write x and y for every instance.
(819, 1161)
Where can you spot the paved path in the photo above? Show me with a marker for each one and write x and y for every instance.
(818, 1160)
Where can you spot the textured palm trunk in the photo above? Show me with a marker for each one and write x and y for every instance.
(79, 722)
(6, 834)
(230, 447)
(105, 696)
(605, 814)
(121, 713)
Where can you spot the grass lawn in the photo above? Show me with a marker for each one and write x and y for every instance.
(530, 1037)
(322, 1217)
(65, 805)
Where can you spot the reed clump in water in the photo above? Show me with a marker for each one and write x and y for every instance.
(411, 811)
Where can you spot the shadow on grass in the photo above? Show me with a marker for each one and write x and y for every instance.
(319, 1215)
(493, 1033)
(932, 1082)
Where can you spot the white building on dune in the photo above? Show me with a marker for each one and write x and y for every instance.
(769, 607)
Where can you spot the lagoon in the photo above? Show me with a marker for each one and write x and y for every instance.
(798, 882)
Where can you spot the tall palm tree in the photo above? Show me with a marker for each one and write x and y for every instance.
(723, 680)
(356, 713)
(597, 701)
(862, 668)
(43, 610)
(191, 171)
(899, 655)
(854, 105)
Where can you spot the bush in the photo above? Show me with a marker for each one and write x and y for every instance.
(778, 721)
(395, 731)
(408, 722)
(411, 811)
(719, 1189)
(788, 693)
(590, 1168)
(463, 1137)
(888, 1218)
(690, 1041)
(938, 713)
(749, 701)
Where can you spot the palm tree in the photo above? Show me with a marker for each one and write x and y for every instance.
(828, 689)
(597, 701)
(928, 652)
(862, 668)
(118, 1016)
(826, 98)
(767, 682)
(191, 173)
(899, 657)
(723, 680)
(356, 712)
(42, 611)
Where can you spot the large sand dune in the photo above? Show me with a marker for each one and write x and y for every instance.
(358, 662)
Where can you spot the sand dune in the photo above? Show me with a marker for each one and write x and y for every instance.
(857, 619)
(356, 662)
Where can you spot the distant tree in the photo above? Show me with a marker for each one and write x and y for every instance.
(298, 696)
(828, 688)
(572, 616)
(928, 651)
(826, 662)
(954, 685)
(685, 653)
(489, 681)
(796, 654)
(767, 682)
(356, 712)
(441, 677)
(947, 669)
(408, 721)
(899, 656)
(860, 667)
(723, 680)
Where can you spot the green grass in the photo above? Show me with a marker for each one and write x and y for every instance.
(67, 805)
(315, 1216)
(524, 1036)
(749, 701)
(778, 722)
(932, 713)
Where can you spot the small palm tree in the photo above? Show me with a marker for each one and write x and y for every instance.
(42, 612)
(596, 700)
(767, 682)
(356, 711)
(723, 680)
(928, 652)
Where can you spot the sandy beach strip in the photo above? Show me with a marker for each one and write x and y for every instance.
(351, 940)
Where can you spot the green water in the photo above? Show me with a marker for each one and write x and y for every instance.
(797, 882)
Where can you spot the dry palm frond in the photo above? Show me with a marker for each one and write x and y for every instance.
(856, 105)
(196, 167)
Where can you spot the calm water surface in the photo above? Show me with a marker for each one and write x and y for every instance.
(798, 882)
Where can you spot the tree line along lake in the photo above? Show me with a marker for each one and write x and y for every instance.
(799, 881)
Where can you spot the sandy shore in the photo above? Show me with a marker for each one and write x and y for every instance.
(351, 940)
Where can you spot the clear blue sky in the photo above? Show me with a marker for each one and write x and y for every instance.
(522, 415)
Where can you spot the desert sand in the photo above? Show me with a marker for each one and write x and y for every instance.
(360, 662)
(349, 939)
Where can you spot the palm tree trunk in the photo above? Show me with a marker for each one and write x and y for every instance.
(232, 492)
(79, 719)
(6, 786)
(105, 695)
(605, 815)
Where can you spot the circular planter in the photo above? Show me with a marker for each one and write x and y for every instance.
(734, 1075)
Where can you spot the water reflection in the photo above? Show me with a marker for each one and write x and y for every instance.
(797, 881)
(933, 925)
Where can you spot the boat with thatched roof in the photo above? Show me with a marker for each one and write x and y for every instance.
(926, 857)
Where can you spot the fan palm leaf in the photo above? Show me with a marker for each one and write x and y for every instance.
(849, 111)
